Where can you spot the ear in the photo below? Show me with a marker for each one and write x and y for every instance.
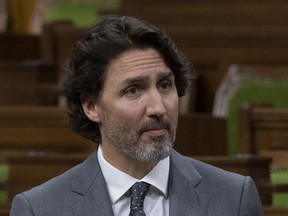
(92, 111)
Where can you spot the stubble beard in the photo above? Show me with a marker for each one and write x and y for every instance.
(127, 140)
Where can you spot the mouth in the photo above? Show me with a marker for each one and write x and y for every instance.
(156, 128)
(155, 131)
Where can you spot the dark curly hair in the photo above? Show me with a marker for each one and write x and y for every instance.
(91, 56)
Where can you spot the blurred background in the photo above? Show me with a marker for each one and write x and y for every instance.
(235, 115)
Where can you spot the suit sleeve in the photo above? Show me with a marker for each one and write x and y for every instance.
(21, 206)
(250, 200)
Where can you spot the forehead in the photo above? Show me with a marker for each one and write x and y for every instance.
(136, 62)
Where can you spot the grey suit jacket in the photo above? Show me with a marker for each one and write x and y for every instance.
(195, 188)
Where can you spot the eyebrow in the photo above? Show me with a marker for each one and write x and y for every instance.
(136, 79)
(164, 75)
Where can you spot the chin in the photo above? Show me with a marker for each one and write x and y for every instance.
(153, 152)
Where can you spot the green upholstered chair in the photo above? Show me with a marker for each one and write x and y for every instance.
(80, 14)
(4, 175)
(253, 92)
(252, 84)
(274, 92)
(279, 176)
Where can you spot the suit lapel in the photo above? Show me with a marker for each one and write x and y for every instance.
(184, 197)
(92, 199)
(90, 189)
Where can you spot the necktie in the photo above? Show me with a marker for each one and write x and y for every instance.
(138, 193)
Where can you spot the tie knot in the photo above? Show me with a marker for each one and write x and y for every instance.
(138, 193)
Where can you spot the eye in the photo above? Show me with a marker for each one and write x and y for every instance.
(165, 85)
(132, 91)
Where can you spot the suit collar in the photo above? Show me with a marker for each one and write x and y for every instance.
(90, 189)
(184, 196)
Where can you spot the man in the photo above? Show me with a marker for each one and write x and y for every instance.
(122, 90)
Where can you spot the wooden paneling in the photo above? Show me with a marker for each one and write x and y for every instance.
(208, 12)
(275, 211)
(201, 134)
(263, 130)
(25, 78)
(19, 47)
(28, 83)
(4, 210)
(57, 42)
(39, 129)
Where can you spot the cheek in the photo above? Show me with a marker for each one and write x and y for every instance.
(129, 114)
(172, 105)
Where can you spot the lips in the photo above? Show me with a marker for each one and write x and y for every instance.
(156, 127)
(156, 132)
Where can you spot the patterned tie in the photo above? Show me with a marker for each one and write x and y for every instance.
(138, 193)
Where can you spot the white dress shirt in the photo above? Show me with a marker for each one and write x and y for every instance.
(119, 183)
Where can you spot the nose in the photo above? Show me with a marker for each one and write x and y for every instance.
(155, 105)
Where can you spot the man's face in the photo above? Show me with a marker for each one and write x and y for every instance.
(138, 108)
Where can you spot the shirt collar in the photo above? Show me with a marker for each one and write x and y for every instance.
(119, 183)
